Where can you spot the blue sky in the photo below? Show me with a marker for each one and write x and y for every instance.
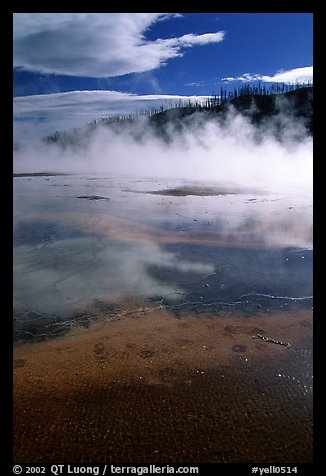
(71, 68)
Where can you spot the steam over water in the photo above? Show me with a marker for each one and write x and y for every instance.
(218, 205)
(276, 156)
(165, 269)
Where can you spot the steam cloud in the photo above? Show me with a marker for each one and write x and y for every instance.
(276, 156)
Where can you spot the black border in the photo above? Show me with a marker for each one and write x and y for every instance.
(6, 12)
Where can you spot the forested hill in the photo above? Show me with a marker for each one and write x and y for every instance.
(261, 109)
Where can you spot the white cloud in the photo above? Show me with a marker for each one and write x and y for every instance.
(190, 39)
(296, 75)
(96, 44)
(293, 75)
(43, 114)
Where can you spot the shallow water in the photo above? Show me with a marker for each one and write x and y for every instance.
(240, 250)
(151, 297)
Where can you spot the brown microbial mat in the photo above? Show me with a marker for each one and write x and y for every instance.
(153, 388)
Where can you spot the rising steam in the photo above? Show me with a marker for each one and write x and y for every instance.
(277, 155)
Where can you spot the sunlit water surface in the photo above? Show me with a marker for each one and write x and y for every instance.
(79, 240)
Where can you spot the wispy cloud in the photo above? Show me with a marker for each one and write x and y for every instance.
(299, 75)
(59, 111)
(192, 40)
(195, 83)
(96, 44)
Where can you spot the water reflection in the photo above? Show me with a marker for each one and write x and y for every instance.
(68, 273)
(215, 250)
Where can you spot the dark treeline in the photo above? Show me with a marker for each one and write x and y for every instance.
(242, 98)
(258, 90)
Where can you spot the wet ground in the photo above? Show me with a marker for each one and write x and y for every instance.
(161, 322)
